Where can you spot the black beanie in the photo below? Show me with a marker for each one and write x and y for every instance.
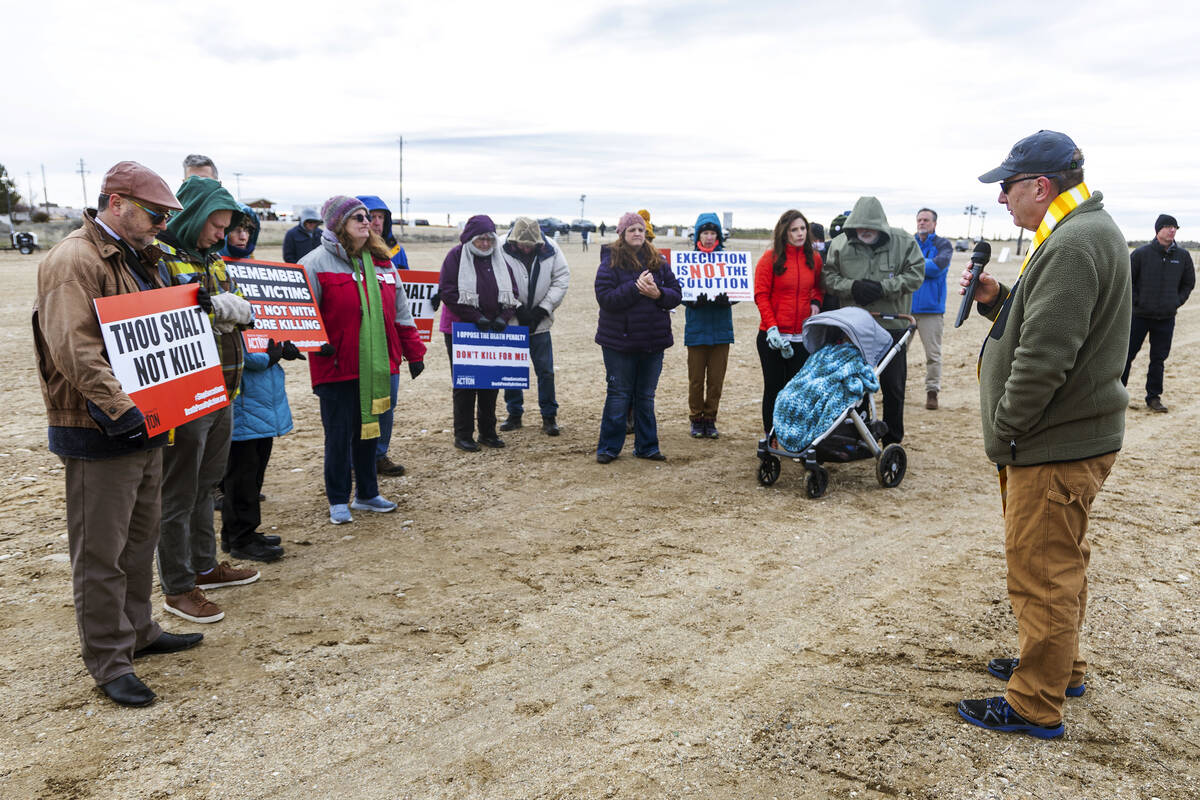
(1163, 221)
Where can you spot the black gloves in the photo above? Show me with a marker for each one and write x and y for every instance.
(290, 353)
(204, 299)
(130, 426)
(274, 352)
(415, 368)
(435, 300)
(721, 300)
(866, 292)
(524, 316)
(484, 324)
(701, 300)
(326, 350)
(536, 315)
(498, 325)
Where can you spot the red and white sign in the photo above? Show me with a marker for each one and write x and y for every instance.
(419, 286)
(162, 350)
(282, 299)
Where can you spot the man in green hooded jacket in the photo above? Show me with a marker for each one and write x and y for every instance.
(195, 463)
(878, 267)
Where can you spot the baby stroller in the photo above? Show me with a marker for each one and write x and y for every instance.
(856, 433)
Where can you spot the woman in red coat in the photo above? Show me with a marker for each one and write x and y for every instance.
(787, 291)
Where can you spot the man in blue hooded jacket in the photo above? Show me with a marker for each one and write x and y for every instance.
(929, 300)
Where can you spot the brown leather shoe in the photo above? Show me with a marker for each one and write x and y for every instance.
(226, 575)
(931, 400)
(1154, 404)
(385, 466)
(193, 606)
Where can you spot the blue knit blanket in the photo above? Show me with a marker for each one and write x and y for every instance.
(831, 380)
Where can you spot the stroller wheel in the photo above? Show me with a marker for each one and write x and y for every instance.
(817, 482)
(768, 470)
(893, 462)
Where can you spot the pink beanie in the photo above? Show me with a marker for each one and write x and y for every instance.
(627, 219)
(337, 208)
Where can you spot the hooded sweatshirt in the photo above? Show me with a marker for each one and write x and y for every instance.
(894, 261)
(229, 251)
(710, 323)
(375, 203)
(299, 241)
(184, 262)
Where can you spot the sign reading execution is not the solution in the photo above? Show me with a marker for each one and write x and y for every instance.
(162, 351)
(283, 304)
(727, 272)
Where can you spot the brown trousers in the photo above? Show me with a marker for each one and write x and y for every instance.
(113, 511)
(706, 370)
(1045, 542)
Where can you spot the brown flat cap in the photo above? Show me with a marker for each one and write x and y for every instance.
(132, 179)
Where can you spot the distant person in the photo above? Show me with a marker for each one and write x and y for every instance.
(260, 414)
(303, 238)
(787, 291)
(476, 286)
(1163, 279)
(201, 166)
(113, 468)
(877, 267)
(645, 215)
(707, 335)
(370, 325)
(929, 300)
(195, 463)
(816, 232)
(583, 236)
(543, 276)
(603, 228)
(381, 226)
(636, 291)
(1053, 413)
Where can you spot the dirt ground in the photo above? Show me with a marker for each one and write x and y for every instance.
(531, 624)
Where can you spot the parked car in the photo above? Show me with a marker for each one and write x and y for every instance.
(553, 225)
(962, 245)
(420, 222)
(583, 225)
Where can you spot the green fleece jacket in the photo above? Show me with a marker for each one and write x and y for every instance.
(1050, 369)
(895, 261)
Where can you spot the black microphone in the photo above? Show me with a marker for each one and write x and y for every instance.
(979, 260)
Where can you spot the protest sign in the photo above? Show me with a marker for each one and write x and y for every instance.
(486, 360)
(283, 303)
(419, 286)
(162, 351)
(727, 272)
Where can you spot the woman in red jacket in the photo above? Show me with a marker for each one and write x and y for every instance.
(787, 291)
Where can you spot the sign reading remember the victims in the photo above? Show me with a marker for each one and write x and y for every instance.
(162, 351)
(727, 272)
(283, 304)
(487, 360)
(419, 286)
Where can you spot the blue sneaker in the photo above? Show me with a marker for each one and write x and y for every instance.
(340, 514)
(1003, 668)
(376, 503)
(996, 714)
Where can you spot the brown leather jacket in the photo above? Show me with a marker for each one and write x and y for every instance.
(72, 365)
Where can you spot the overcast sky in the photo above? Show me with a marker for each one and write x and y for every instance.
(680, 107)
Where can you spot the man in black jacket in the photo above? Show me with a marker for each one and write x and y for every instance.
(1163, 277)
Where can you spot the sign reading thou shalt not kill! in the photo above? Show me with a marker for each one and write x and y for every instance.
(728, 272)
(162, 351)
(419, 286)
(282, 300)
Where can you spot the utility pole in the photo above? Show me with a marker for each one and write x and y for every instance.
(237, 176)
(582, 197)
(45, 194)
(400, 142)
(82, 173)
(982, 215)
(407, 209)
(29, 183)
(969, 213)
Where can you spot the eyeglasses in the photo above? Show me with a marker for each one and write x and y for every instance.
(1006, 186)
(157, 217)
(360, 217)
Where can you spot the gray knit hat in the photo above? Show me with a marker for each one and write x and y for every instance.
(525, 231)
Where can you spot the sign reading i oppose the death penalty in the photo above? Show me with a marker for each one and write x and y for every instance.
(486, 360)
(727, 272)
(284, 309)
(419, 287)
(162, 351)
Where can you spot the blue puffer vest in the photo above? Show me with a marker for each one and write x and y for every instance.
(261, 410)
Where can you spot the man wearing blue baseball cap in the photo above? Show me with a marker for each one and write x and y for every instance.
(1053, 410)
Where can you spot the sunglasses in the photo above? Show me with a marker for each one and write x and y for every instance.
(360, 217)
(156, 217)
(1006, 186)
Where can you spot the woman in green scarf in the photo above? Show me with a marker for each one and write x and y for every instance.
(351, 375)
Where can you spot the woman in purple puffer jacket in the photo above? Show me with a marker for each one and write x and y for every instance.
(636, 291)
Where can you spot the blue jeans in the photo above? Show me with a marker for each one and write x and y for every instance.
(632, 379)
(541, 353)
(385, 421)
(345, 449)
